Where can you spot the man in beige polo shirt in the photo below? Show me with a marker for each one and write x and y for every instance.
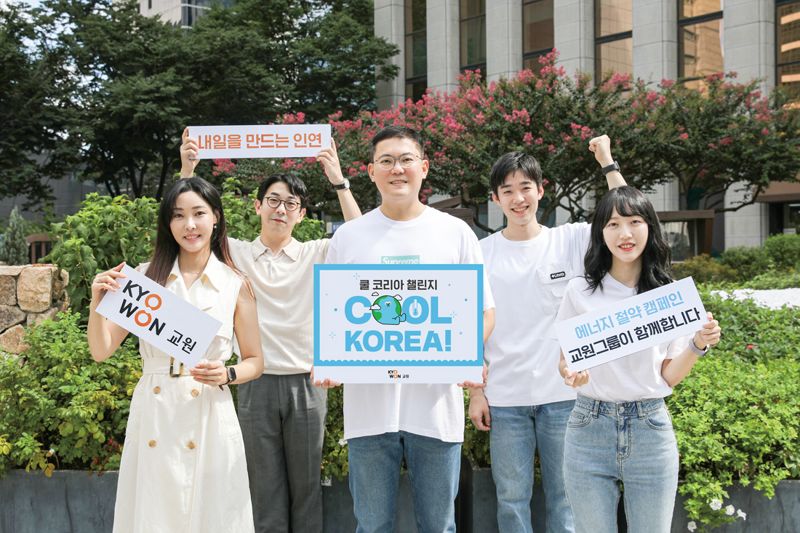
(282, 414)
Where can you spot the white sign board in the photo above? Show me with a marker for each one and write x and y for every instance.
(398, 323)
(159, 317)
(241, 142)
(636, 323)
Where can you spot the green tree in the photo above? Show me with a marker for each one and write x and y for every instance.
(724, 137)
(14, 247)
(32, 92)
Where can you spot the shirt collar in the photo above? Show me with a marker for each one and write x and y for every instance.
(292, 250)
(213, 274)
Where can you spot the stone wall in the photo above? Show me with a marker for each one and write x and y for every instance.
(28, 295)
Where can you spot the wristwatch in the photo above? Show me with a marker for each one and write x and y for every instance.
(610, 168)
(231, 374)
(699, 352)
(343, 186)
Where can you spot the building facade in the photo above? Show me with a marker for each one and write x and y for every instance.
(649, 39)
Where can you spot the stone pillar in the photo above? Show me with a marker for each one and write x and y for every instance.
(573, 22)
(655, 40)
(503, 39)
(28, 295)
(749, 47)
(443, 44)
(389, 25)
(749, 40)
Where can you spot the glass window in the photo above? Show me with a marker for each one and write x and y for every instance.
(613, 37)
(615, 56)
(473, 34)
(700, 50)
(537, 30)
(613, 16)
(788, 44)
(416, 49)
(696, 8)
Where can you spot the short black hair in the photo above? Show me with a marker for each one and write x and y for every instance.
(396, 132)
(295, 185)
(514, 162)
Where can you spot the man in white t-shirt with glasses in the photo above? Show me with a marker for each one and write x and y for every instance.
(526, 404)
(423, 424)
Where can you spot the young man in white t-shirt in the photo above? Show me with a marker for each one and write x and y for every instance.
(526, 403)
(424, 424)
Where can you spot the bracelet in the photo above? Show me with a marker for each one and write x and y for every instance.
(699, 352)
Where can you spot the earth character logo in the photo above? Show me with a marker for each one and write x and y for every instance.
(387, 310)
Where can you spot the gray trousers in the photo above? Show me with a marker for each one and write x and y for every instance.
(283, 422)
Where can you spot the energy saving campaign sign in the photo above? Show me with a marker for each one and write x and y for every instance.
(155, 315)
(398, 323)
(630, 325)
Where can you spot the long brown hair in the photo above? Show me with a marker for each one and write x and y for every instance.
(167, 248)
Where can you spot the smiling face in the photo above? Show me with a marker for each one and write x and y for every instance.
(518, 197)
(398, 184)
(279, 221)
(625, 237)
(192, 222)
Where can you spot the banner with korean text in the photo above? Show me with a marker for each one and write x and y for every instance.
(636, 323)
(159, 317)
(267, 141)
(398, 323)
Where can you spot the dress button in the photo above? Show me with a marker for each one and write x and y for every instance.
(152, 444)
(156, 390)
(621, 410)
(195, 393)
(191, 445)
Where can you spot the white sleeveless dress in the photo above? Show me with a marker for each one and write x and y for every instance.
(183, 466)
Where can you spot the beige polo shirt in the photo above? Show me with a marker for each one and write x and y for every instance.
(284, 288)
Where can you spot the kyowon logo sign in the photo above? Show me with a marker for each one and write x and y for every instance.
(384, 323)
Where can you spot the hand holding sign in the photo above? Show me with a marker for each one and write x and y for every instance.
(189, 159)
(329, 159)
(105, 282)
(709, 334)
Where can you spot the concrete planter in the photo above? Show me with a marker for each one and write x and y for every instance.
(79, 502)
(781, 514)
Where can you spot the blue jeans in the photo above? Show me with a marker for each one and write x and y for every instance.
(515, 435)
(433, 469)
(631, 443)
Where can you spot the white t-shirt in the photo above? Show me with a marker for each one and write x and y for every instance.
(433, 237)
(528, 280)
(634, 377)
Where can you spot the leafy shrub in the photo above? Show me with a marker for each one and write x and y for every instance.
(58, 408)
(13, 246)
(748, 262)
(736, 422)
(334, 448)
(754, 333)
(773, 280)
(107, 231)
(702, 268)
(784, 250)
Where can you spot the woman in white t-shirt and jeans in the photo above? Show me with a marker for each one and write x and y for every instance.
(619, 432)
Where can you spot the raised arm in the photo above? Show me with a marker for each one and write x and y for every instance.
(601, 147)
(103, 335)
(189, 159)
(329, 159)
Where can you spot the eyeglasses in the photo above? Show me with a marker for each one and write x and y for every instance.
(388, 162)
(274, 202)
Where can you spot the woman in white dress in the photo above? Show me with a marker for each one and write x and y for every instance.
(183, 464)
